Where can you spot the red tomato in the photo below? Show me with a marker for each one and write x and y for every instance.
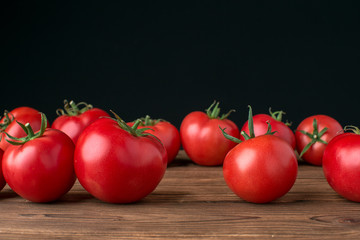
(261, 169)
(2, 180)
(312, 135)
(202, 139)
(75, 120)
(41, 168)
(23, 115)
(167, 133)
(118, 164)
(281, 129)
(341, 165)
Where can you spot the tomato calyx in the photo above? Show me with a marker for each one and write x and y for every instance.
(133, 130)
(251, 130)
(315, 136)
(277, 115)
(7, 120)
(214, 111)
(147, 121)
(30, 135)
(352, 128)
(73, 109)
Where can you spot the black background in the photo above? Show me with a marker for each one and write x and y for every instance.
(168, 59)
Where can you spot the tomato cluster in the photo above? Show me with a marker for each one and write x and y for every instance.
(123, 162)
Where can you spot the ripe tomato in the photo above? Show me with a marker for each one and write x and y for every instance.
(23, 115)
(40, 168)
(341, 165)
(312, 135)
(281, 129)
(117, 163)
(2, 180)
(260, 169)
(202, 139)
(167, 133)
(74, 120)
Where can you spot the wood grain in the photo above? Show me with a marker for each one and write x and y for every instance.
(191, 202)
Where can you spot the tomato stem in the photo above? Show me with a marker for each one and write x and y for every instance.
(277, 115)
(7, 120)
(30, 135)
(352, 128)
(136, 125)
(251, 123)
(251, 129)
(73, 109)
(315, 136)
(228, 136)
(134, 129)
(214, 111)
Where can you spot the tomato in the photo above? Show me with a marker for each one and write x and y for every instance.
(40, 168)
(312, 136)
(167, 133)
(341, 165)
(117, 163)
(73, 120)
(2, 180)
(202, 139)
(281, 129)
(23, 115)
(260, 169)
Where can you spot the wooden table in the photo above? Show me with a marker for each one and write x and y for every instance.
(191, 202)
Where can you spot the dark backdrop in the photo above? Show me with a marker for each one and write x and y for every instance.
(167, 59)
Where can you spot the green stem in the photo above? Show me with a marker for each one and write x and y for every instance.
(30, 135)
(136, 125)
(134, 129)
(315, 136)
(352, 128)
(73, 109)
(228, 136)
(7, 120)
(251, 123)
(214, 111)
(277, 115)
(147, 121)
(251, 129)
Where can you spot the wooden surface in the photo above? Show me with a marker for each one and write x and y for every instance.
(191, 202)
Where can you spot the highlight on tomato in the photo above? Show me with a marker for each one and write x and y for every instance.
(74, 118)
(167, 133)
(281, 129)
(202, 139)
(40, 166)
(9, 123)
(312, 136)
(262, 168)
(117, 163)
(341, 164)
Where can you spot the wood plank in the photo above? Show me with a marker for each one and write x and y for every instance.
(191, 202)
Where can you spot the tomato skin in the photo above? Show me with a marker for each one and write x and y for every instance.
(23, 115)
(261, 169)
(115, 166)
(169, 136)
(341, 165)
(22, 111)
(74, 125)
(2, 179)
(42, 169)
(203, 140)
(315, 153)
(261, 126)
